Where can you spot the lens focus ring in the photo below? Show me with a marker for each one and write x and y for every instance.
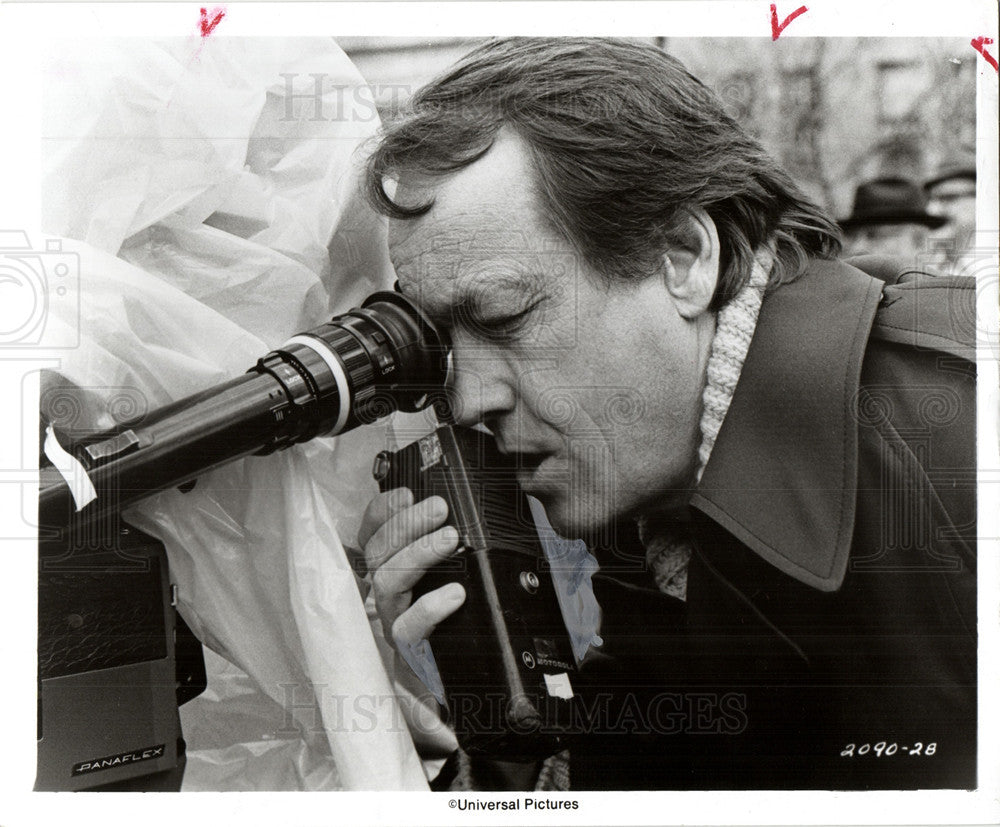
(352, 355)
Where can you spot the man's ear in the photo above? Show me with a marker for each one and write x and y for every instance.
(691, 267)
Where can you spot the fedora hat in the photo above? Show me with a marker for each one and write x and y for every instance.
(890, 201)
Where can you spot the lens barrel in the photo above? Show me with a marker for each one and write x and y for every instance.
(383, 356)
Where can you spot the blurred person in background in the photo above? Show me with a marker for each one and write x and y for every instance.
(951, 195)
(890, 218)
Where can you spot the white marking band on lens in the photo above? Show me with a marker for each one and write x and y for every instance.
(329, 355)
(80, 486)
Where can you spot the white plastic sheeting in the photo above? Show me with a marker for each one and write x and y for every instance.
(209, 187)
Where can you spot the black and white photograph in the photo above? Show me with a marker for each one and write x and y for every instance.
(488, 412)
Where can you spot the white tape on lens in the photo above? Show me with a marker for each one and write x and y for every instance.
(80, 486)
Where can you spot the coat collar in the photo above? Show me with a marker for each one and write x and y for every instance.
(782, 476)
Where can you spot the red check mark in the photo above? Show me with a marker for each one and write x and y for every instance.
(980, 44)
(776, 29)
(208, 21)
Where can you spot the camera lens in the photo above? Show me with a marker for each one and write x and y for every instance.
(362, 365)
(367, 363)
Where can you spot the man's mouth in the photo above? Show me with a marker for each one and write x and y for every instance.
(539, 472)
(529, 460)
(536, 466)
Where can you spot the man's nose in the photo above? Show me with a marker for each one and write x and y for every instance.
(480, 390)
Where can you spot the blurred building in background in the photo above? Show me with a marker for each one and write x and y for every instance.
(834, 111)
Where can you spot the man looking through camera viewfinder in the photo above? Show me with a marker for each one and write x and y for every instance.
(805, 501)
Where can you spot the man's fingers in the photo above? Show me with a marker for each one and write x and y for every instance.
(419, 621)
(404, 527)
(400, 573)
(380, 509)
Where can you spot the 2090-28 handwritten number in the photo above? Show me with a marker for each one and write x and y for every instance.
(884, 748)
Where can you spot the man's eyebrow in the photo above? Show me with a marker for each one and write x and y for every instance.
(470, 299)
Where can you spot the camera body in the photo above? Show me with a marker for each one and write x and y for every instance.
(114, 662)
(505, 657)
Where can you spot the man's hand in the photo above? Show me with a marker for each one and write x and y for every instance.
(401, 541)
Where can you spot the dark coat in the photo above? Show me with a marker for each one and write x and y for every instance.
(832, 593)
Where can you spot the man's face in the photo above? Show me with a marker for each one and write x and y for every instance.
(954, 199)
(595, 388)
(905, 241)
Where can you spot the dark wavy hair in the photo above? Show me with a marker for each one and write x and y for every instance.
(625, 145)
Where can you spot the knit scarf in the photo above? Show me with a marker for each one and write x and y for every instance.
(668, 541)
